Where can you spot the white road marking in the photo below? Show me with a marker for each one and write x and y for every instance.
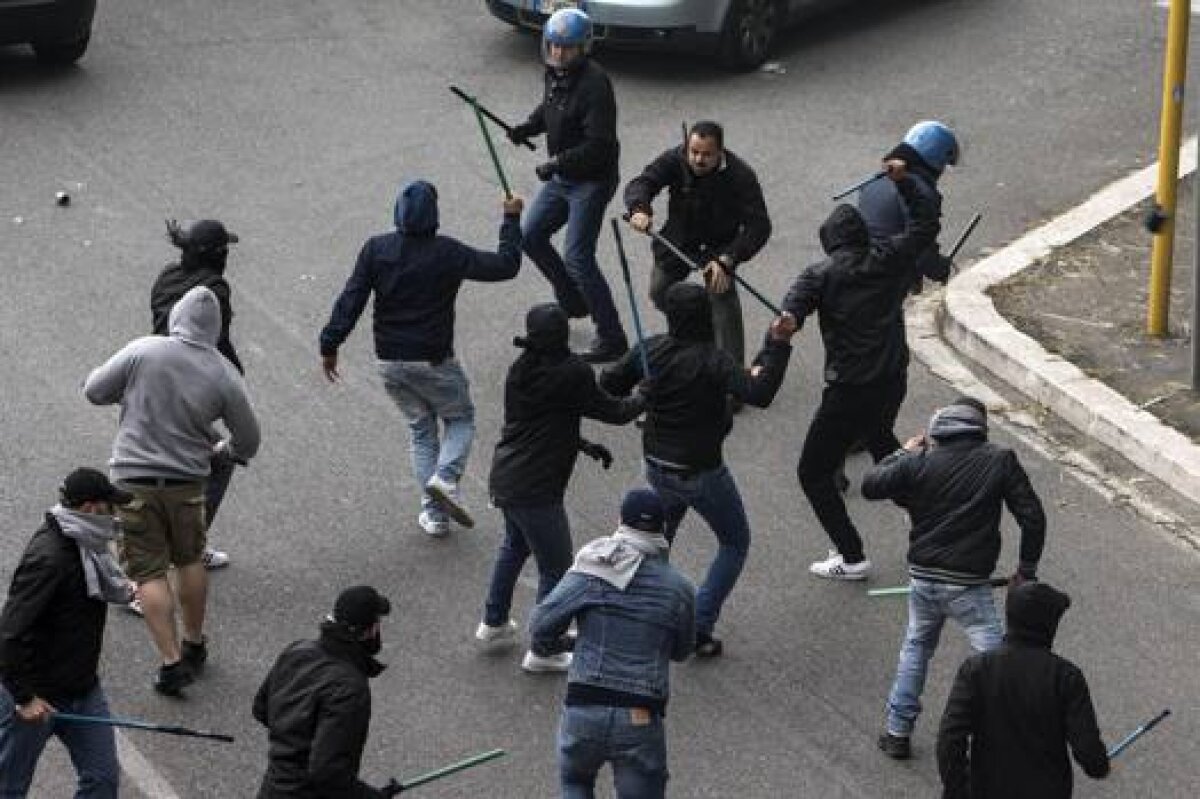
(141, 773)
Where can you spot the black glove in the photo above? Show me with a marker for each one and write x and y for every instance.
(547, 170)
(392, 788)
(597, 452)
(519, 134)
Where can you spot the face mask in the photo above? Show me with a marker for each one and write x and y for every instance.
(372, 645)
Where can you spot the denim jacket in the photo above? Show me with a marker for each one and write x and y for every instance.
(626, 638)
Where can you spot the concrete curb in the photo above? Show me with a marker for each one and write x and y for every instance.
(970, 322)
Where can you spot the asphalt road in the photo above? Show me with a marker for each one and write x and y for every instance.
(296, 121)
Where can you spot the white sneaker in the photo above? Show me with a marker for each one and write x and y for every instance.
(446, 494)
(501, 633)
(536, 664)
(836, 568)
(214, 559)
(435, 528)
(135, 607)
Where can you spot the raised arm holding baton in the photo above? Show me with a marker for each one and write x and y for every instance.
(504, 126)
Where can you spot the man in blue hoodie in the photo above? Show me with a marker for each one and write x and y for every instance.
(415, 275)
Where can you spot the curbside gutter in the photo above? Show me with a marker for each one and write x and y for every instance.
(970, 322)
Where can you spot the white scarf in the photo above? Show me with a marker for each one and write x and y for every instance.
(616, 559)
(93, 533)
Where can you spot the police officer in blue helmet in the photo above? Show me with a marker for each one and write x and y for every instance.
(928, 148)
(578, 114)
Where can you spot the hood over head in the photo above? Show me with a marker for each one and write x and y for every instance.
(546, 330)
(416, 209)
(196, 318)
(1032, 612)
(689, 312)
(844, 228)
(964, 417)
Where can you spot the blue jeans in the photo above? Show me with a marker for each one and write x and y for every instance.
(92, 747)
(929, 605)
(578, 283)
(714, 495)
(542, 530)
(426, 394)
(590, 736)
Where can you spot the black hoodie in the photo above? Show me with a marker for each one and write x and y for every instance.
(176, 279)
(547, 391)
(859, 290)
(1018, 708)
(687, 415)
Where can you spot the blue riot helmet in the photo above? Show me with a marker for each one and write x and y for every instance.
(935, 143)
(566, 38)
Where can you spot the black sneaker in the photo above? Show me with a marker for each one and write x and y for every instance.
(172, 679)
(895, 746)
(605, 351)
(194, 654)
(707, 646)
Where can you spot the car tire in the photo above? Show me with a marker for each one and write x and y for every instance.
(750, 30)
(61, 54)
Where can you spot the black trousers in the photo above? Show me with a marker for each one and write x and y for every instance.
(847, 414)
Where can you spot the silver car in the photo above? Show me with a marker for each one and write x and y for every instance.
(740, 32)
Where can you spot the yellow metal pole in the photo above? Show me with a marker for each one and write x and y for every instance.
(1168, 166)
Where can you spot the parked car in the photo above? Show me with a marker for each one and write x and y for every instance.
(58, 30)
(740, 32)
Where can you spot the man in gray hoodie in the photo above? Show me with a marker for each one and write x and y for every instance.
(171, 390)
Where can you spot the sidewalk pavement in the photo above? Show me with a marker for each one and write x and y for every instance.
(1066, 287)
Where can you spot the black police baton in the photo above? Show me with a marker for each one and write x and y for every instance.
(962, 237)
(507, 128)
(637, 317)
(134, 724)
(695, 267)
(864, 182)
(1138, 733)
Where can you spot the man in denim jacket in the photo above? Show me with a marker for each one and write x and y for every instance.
(635, 614)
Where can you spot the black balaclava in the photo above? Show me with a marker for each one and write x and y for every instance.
(689, 312)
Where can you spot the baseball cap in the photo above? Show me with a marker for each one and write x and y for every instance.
(642, 510)
(208, 234)
(89, 485)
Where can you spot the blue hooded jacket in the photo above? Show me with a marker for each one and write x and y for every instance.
(415, 275)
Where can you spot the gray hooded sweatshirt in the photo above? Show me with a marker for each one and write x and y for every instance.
(171, 391)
